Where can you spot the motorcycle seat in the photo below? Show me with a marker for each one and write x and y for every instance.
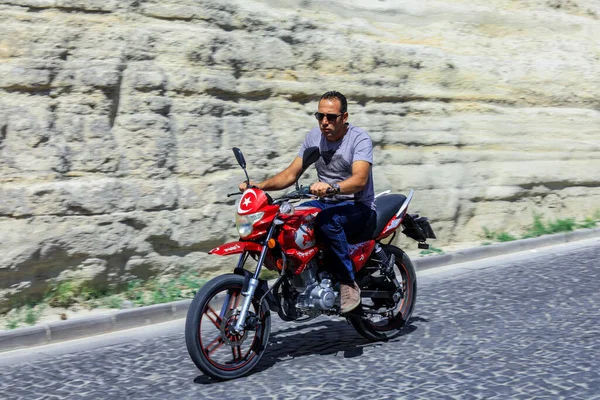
(387, 206)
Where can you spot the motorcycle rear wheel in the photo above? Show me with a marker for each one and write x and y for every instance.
(213, 346)
(377, 328)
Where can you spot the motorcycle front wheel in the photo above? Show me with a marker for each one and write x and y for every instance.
(378, 327)
(216, 349)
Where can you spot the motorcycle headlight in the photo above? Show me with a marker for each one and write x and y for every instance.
(245, 223)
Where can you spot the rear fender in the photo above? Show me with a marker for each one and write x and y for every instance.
(236, 248)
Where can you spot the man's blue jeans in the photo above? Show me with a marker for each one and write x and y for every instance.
(334, 224)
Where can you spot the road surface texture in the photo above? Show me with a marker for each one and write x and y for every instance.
(519, 329)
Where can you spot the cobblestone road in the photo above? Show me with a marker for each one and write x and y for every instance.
(527, 330)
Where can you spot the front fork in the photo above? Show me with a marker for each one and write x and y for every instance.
(253, 282)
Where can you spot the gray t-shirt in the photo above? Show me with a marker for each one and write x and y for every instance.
(335, 163)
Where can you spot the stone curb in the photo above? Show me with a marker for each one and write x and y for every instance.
(126, 319)
(77, 328)
(497, 249)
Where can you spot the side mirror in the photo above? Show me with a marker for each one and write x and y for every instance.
(240, 157)
(310, 156)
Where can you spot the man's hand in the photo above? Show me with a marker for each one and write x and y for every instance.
(243, 186)
(320, 189)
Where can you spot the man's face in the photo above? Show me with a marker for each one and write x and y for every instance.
(335, 128)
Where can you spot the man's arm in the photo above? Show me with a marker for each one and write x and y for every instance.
(355, 183)
(282, 180)
(359, 178)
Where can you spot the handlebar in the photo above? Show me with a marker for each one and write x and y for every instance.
(303, 193)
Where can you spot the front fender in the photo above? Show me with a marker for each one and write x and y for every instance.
(236, 248)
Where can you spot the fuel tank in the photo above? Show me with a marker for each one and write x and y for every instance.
(297, 237)
(299, 229)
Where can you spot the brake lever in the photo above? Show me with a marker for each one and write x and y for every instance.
(233, 194)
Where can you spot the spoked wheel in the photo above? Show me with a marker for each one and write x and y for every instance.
(214, 346)
(389, 325)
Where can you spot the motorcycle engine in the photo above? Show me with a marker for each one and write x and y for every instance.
(314, 295)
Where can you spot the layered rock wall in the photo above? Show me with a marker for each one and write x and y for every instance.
(117, 119)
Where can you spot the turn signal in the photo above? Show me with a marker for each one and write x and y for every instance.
(271, 243)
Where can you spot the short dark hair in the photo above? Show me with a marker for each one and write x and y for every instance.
(336, 95)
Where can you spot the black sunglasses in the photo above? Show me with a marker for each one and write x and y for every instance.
(330, 117)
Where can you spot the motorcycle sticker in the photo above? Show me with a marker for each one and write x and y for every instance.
(247, 202)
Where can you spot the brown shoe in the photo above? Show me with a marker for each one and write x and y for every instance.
(350, 297)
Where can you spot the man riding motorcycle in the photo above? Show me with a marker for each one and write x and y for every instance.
(345, 187)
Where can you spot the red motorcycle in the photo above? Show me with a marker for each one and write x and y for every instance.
(228, 323)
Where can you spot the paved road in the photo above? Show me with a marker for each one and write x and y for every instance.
(519, 329)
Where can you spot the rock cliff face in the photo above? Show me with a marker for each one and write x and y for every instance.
(117, 119)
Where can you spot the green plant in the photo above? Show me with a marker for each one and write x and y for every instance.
(268, 274)
(158, 297)
(431, 250)
(172, 292)
(562, 225)
(488, 234)
(12, 323)
(162, 290)
(86, 293)
(135, 291)
(499, 236)
(63, 294)
(32, 315)
(113, 301)
(505, 237)
(587, 223)
(537, 229)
